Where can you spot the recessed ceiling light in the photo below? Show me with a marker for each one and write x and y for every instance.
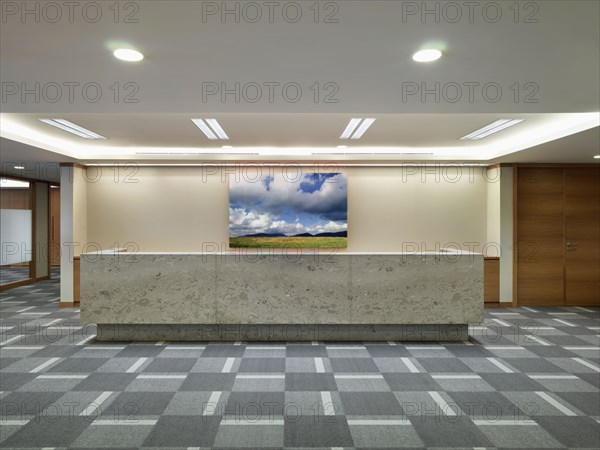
(492, 128)
(350, 128)
(72, 128)
(19, 167)
(427, 55)
(597, 157)
(354, 131)
(215, 126)
(128, 54)
(211, 131)
(362, 128)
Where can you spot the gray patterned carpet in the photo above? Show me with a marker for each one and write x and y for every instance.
(529, 378)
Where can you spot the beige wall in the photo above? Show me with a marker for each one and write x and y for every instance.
(80, 217)
(389, 208)
(493, 212)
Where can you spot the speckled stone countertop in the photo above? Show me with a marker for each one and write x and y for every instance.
(254, 288)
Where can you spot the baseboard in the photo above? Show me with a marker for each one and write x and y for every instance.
(499, 305)
(44, 278)
(15, 284)
(69, 304)
(282, 332)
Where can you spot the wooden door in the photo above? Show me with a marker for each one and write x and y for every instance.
(540, 237)
(54, 240)
(582, 235)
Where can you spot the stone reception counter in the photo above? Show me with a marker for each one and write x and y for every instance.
(279, 296)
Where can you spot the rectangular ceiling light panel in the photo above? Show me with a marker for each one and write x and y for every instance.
(490, 129)
(72, 128)
(211, 129)
(355, 131)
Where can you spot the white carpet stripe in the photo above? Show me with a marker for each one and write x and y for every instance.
(564, 322)
(328, 405)
(228, 365)
(12, 339)
(445, 407)
(92, 407)
(319, 367)
(124, 422)
(587, 364)
(562, 408)
(498, 364)
(538, 340)
(409, 364)
(136, 365)
(211, 405)
(379, 422)
(44, 365)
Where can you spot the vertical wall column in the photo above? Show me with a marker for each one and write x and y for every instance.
(73, 228)
(506, 234)
(500, 225)
(41, 241)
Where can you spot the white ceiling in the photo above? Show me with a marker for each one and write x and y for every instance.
(367, 55)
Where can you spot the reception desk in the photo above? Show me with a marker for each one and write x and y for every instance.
(282, 296)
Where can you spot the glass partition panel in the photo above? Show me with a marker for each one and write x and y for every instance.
(15, 230)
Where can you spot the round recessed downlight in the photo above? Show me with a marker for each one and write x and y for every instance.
(427, 55)
(128, 54)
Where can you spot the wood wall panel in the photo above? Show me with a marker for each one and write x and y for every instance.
(582, 231)
(14, 198)
(540, 233)
(557, 206)
(54, 227)
(491, 280)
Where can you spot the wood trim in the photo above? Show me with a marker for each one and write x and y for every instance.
(68, 304)
(49, 230)
(490, 257)
(515, 240)
(498, 165)
(491, 280)
(44, 278)
(66, 164)
(564, 231)
(500, 305)
(558, 165)
(76, 279)
(15, 284)
(33, 207)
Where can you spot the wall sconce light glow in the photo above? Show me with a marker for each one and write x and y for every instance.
(128, 54)
(597, 157)
(427, 55)
(19, 168)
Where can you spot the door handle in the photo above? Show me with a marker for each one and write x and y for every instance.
(571, 246)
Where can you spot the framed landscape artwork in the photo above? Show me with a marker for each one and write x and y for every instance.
(274, 211)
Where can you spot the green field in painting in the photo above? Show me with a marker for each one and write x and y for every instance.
(288, 242)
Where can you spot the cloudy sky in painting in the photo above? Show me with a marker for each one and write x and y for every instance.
(316, 203)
